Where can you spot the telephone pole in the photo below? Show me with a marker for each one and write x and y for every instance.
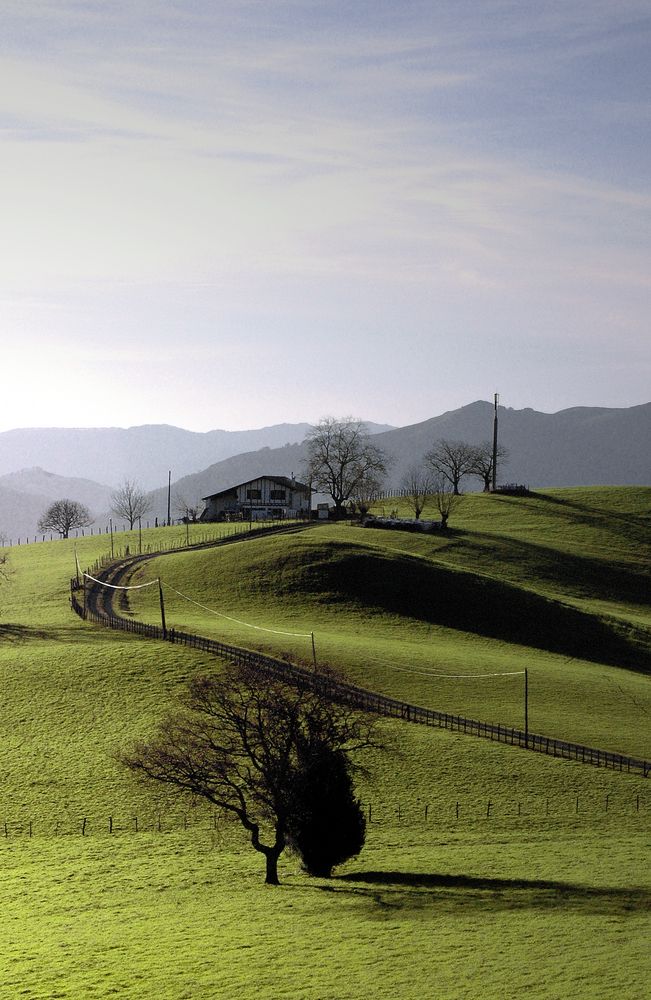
(496, 403)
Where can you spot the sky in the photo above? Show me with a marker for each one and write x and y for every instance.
(237, 213)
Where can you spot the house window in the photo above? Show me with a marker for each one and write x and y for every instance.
(277, 495)
(254, 494)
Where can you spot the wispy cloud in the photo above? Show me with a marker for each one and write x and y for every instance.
(397, 159)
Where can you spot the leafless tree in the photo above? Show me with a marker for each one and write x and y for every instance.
(364, 494)
(482, 465)
(343, 461)
(188, 509)
(63, 516)
(417, 484)
(130, 502)
(238, 741)
(451, 459)
(4, 561)
(444, 499)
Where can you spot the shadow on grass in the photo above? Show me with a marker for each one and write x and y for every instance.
(483, 605)
(406, 890)
(15, 633)
(22, 633)
(625, 524)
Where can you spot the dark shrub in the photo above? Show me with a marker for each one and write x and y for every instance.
(327, 826)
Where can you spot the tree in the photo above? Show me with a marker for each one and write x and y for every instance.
(328, 825)
(130, 502)
(482, 465)
(342, 460)
(188, 509)
(445, 499)
(364, 494)
(240, 741)
(417, 484)
(4, 572)
(63, 516)
(452, 460)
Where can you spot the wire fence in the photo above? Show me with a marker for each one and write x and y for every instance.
(442, 813)
(192, 533)
(361, 698)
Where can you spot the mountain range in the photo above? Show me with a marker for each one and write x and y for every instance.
(576, 446)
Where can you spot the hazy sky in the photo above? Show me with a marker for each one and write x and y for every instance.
(232, 213)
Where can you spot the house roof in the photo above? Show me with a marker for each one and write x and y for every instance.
(290, 484)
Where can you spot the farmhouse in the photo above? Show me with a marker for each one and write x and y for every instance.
(259, 499)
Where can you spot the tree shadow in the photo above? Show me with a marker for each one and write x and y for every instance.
(626, 524)
(584, 576)
(10, 632)
(441, 594)
(409, 890)
(16, 633)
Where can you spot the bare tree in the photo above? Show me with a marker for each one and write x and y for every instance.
(4, 561)
(188, 509)
(482, 465)
(417, 484)
(365, 494)
(342, 460)
(240, 741)
(130, 502)
(444, 499)
(63, 516)
(451, 459)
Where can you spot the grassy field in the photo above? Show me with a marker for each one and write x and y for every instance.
(488, 871)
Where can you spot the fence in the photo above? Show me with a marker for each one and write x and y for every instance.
(466, 812)
(209, 531)
(369, 701)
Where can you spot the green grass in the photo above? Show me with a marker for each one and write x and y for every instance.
(545, 894)
(461, 915)
(398, 612)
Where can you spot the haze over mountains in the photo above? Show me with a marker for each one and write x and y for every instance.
(146, 453)
(577, 446)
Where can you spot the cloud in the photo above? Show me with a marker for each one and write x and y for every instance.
(304, 166)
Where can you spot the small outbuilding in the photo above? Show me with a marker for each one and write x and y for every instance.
(259, 500)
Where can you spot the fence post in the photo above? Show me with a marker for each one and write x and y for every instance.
(162, 608)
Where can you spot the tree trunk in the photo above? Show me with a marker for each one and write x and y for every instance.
(271, 857)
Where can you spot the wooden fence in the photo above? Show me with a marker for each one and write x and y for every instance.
(369, 701)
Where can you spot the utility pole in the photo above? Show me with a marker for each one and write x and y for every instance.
(169, 497)
(496, 402)
(162, 608)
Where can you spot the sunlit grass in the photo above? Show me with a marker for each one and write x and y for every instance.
(488, 871)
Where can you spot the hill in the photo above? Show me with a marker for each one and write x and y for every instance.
(577, 446)
(26, 494)
(491, 851)
(580, 446)
(145, 453)
(558, 582)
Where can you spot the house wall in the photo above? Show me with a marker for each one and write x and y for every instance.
(259, 499)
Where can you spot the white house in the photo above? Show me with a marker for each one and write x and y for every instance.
(259, 499)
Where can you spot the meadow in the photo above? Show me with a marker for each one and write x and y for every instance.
(488, 871)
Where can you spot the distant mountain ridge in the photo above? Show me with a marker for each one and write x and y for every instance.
(581, 446)
(574, 447)
(145, 453)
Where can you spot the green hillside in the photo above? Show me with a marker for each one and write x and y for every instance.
(397, 612)
(496, 854)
